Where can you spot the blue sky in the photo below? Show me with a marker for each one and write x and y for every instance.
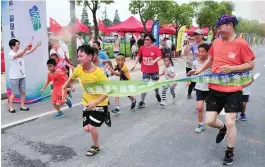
(60, 10)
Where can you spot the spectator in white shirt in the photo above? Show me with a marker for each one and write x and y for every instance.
(17, 73)
(79, 41)
(59, 51)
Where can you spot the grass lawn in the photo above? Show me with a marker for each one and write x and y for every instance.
(110, 46)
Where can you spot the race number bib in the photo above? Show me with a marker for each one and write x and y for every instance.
(148, 61)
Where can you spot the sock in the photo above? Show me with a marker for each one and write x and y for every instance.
(157, 91)
(200, 123)
(143, 96)
(223, 128)
(230, 149)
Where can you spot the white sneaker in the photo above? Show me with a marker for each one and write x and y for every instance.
(163, 103)
(174, 100)
(199, 128)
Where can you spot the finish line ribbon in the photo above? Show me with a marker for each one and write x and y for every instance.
(134, 87)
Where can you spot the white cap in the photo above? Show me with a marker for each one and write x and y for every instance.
(198, 31)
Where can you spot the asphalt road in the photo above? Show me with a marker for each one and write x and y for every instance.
(149, 137)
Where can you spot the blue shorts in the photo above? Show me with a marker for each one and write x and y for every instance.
(153, 76)
(245, 98)
(201, 95)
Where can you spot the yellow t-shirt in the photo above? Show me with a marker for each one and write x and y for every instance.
(90, 77)
(125, 75)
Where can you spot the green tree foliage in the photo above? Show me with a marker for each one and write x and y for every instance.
(116, 19)
(106, 21)
(147, 9)
(207, 12)
(93, 5)
(250, 26)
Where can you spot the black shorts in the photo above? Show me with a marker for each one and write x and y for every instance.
(201, 95)
(95, 117)
(231, 102)
(246, 98)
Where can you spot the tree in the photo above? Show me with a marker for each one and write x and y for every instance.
(207, 12)
(93, 5)
(106, 21)
(178, 14)
(116, 19)
(85, 19)
(147, 9)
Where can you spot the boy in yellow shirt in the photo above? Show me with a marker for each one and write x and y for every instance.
(95, 110)
(122, 71)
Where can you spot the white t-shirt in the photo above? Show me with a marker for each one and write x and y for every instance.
(59, 52)
(201, 86)
(169, 43)
(79, 42)
(169, 72)
(64, 48)
(17, 67)
(189, 57)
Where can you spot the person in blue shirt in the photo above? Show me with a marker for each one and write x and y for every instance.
(101, 54)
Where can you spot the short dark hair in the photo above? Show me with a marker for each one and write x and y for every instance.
(54, 54)
(205, 46)
(13, 42)
(169, 58)
(97, 42)
(116, 35)
(51, 62)
(121, 54)
(151, 36)
(87, 49)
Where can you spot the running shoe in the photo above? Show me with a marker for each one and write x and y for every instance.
(229, 158)
(189, 96)
(243, 117)
(174, 100)
(59, 114)
(163, 103)
(199, 128)
(158, 98)
(141, 104)
(116, 110)
(68, 102)
(221, 135)
(133, 104)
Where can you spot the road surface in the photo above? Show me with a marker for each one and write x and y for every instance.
(149, 137)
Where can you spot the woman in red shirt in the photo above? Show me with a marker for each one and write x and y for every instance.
(149, 55)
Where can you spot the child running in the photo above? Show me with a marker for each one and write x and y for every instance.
(61, 65)
(201, 88)
(122, 71)
(95, 110)
(58, 78)
(169, 74)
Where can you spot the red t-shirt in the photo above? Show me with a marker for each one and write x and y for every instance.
(148, 56)
(58, 78)
(232, 53)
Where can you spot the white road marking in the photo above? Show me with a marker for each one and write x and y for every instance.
(36, 116)
(49, 113)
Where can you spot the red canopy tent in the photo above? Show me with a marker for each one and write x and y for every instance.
(192, 29)
(129, 25)
(133, 25)
(164, 29)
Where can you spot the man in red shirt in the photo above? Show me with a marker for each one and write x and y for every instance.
(150, 55)
(229, 54)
